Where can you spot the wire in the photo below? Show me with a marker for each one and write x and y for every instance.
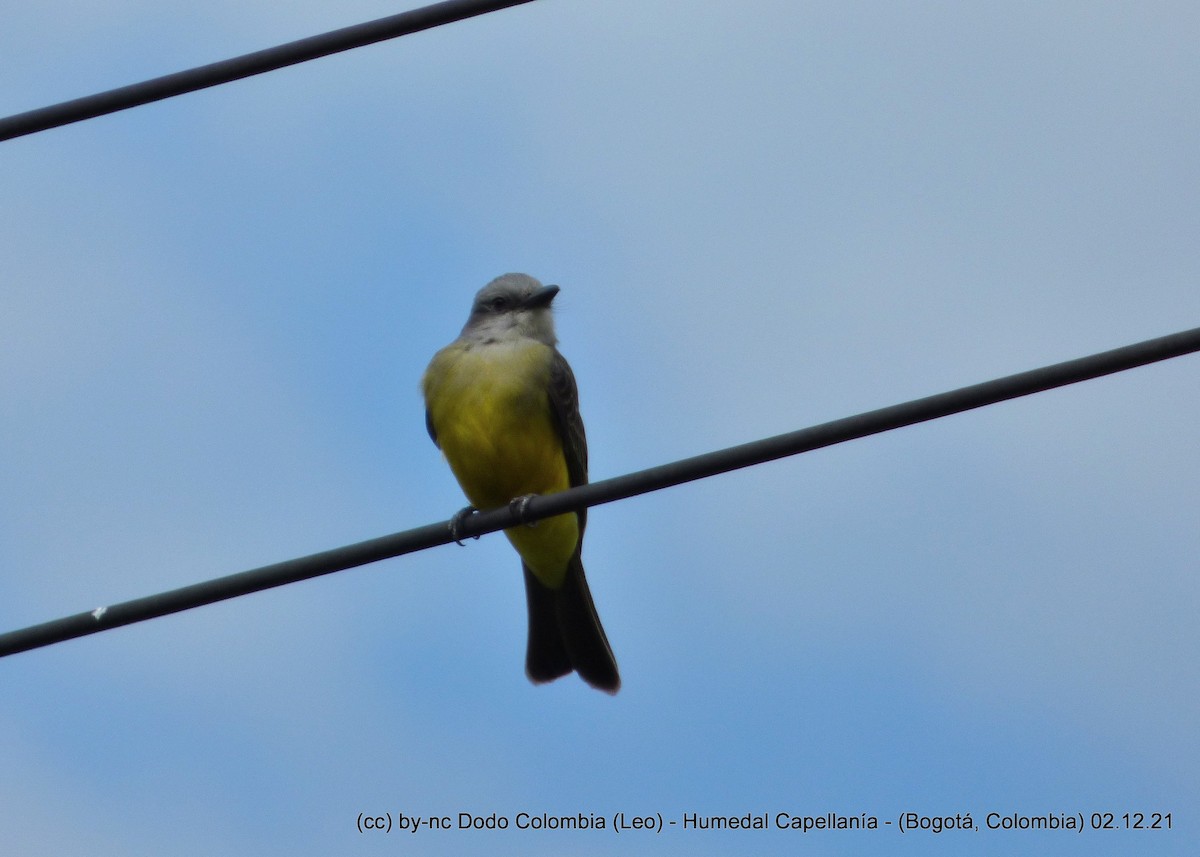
(606, 491)
(247, 65)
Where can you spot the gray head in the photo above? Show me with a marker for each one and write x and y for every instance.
(511, 307)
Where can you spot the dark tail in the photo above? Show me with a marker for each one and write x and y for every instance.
(565, 633)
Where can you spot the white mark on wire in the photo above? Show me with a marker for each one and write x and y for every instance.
(99, 612)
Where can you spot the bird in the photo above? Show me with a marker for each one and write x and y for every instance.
(502, 404)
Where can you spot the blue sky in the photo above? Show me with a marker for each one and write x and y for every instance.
(215, 312)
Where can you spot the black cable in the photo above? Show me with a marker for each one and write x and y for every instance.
(595, 493)
(247, 65)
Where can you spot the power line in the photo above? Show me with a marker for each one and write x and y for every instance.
(247, 65)
(608, 490)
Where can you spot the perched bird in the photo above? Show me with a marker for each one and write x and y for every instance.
(502, 405)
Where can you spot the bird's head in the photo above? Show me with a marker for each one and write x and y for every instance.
(513, 306)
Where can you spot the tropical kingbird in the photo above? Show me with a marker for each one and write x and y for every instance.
(502, 405)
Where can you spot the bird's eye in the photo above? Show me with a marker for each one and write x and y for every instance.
(499, 304)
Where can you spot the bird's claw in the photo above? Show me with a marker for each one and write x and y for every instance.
(457, 522)
(520, 506)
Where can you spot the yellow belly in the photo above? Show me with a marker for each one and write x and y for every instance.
(491, 413)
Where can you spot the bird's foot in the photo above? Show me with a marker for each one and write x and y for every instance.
(520, 506)
(456, 523)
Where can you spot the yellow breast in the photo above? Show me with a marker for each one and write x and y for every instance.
(490, 409)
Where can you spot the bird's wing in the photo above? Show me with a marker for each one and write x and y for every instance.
(564, 407)
(429, 428)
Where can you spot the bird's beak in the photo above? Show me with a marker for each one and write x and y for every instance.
(542, 297)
